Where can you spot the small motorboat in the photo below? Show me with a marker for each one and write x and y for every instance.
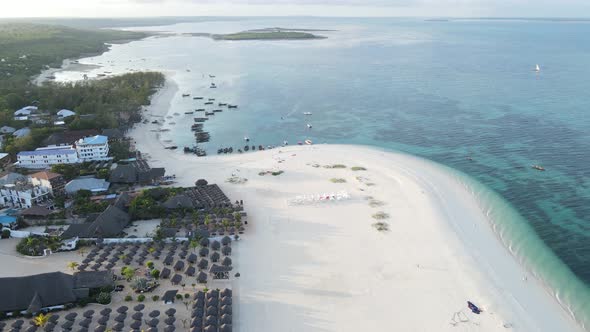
(538, 168)
(308, 142)
(285, 143)
(232, 106)
(309, 126)
(213, 86)
(173, 147)
(176, 114)
(246, 138)
(222, 104)
(307, 113)
(211, 99)
(537, 68)
(200, 110)
(189, 112)
(197, 98)
(186, 95)
(211, 76)
(209, 103)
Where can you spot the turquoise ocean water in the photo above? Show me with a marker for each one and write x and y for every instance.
(462, 93)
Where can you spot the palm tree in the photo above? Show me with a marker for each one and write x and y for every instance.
(72, 266)
(41, 319)
(194, 244)
(226, 224)
(207, 220)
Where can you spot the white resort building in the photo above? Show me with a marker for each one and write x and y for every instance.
(47, 156)
(17, 191)
(93, 148)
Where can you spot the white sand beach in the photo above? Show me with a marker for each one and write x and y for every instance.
(324, 267)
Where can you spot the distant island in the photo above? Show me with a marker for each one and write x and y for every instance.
(265, 34)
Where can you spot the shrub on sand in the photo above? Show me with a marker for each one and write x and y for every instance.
(381, 226)
(380, 215)
(338, 180)
(358, 168)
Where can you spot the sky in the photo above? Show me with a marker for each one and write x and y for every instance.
(422, 8)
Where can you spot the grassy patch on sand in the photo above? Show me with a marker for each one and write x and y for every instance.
(338, 180)
(358, 168)
(381, 215)
(335, 166)
(381, 226)
(236, 180)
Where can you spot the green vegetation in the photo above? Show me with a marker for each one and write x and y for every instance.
(263, 35)
(381, 226)
(103, 298)
(358, 168)
(127, 272)
(338, 180)
(147, 204)
(381, 215)
(34, 245)
(128, 298)
(5, 234)
(155, 298)
(83, 205)
(141, 298)
(335, 166)
(155, 273)
(27, 49)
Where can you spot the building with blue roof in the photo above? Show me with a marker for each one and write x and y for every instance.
(93, 148)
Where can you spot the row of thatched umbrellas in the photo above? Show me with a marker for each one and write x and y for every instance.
(103, 321)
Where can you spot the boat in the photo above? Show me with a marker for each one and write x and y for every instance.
(246, 148)
(189, 112)
(308, 142)
(538, 168)
(247, 139)
(200, 110)
(172, 123)
(197, 98)
(217, 111)
(169, 117)
(213, 86)
(186, 94)
(285, 143)
(155, 122)
(307, 113)
(164, 130)
(537, 68)
(176, 114)
(209, 103)
(173, 147)
(101, 75)
(211, 99)
(222, 104)
(211, 76)
(309, 126)
(232, 106)
(209, 113)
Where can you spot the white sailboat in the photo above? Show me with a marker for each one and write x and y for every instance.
(537, 68)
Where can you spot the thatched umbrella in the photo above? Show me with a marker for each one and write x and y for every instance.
(215, 245)
(85, 323)
(170, 312)
(122, 309)
(213, 301)
(226, 292)
(139, 307)
(210, 320)
(212, 293)
(215, 256)
(226, 240)
(88, 313)
(202, 277)
(203, 263)
(226, 261)
(225, 319)
(32, 328)
(137, 316)
(103, 320)
(170, 320)
(198, 313)
(169, 328)
(17, 324)
(204, 242)
(199, 295)
(49, 327)
(203, 252)
(135, 325)
(226, 300)
(197, 321)
(67, 325)
(199, 303)
(154, 313)
(106, 311)
(196, 329)
(210, 328)
(71, 316)
(2, 325)
(121, 318)
(153, 322)
(212, 311)
(83, 329)
(201, 182)
(152, 329)
(100, 328)
(226, 250)
(118, 327)
(225, 328)
(53, 318)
